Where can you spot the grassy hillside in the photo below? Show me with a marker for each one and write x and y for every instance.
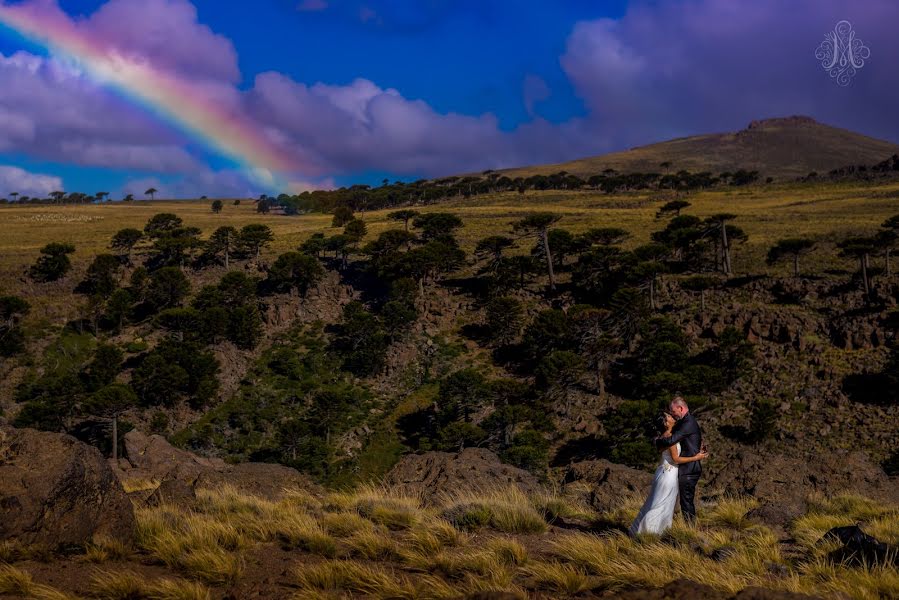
(825, 211)
(780, 148)
(374, 543)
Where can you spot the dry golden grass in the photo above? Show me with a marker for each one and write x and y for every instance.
(103, 549)
(826, 212)
(376, 542)
(353, 576)
(139, 485)
(126, 585)
(509, 509)
(19, 583)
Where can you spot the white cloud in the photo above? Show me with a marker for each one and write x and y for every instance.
(15, 179)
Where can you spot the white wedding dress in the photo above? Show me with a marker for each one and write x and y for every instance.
(658, 510)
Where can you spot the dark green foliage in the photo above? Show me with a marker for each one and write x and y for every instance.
(405, 216)
(12, 310)
(176, 371)
(53, 263)
(295, 271)
(437, 225)
(162, 224)
(254, 237)
(734, 354)
(293, 408)
(180, 321)
(237, 289)
(111, 400)
(791, 248)
(125, 240)
(102, 277)
(167, 287)
(313, 246)
(505, 317)
(460, 434)
(342, 216)
(398, 316)
(244, 326)
(628, 430)
(355, 230)
(673, 207)
(174, 246)
(104, 367)
(51, 401)
(550, 330)
(559, 370)
(222, 244)
(461, 394)
(361, 341)
(217, 206)
(529, 450)
(762, 420)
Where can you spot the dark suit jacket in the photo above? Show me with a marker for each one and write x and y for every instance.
(688, 433)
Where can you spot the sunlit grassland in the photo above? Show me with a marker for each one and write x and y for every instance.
(376, 542)
(827, 212)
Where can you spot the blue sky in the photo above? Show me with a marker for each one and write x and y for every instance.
(363, 90)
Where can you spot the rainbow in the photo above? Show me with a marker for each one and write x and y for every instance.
(187, 105)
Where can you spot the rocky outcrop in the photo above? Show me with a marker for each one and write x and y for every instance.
(154, 458)
(435, 474)
(606, 483)
(58, 492)
(782, 483)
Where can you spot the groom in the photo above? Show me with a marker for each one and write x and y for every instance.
(687, 432)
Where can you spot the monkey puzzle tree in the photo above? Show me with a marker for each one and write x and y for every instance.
(672, 207)
(254, 237)
(405, 216)
(791, 248)
(125, 240)
(167, 287)
(110, 402)
(538, 224)
(860, 248)
(437, 225)
(102, 275)
(222, 243)
(491, 249)
(701, 284)
(53, 263)
(162, 224)
(889, 241)
(343, 214)
(12, 310)
(295, 271)
(718, 223)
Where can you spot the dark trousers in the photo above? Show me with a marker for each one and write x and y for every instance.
(687, 491)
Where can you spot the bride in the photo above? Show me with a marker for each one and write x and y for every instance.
(658, 510)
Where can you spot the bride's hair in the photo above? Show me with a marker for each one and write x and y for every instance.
(661, 422)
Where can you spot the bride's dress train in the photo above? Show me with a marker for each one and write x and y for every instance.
(658, 510)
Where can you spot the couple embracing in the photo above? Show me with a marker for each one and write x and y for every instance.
(680, 443)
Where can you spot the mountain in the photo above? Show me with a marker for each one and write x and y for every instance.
(782, 148)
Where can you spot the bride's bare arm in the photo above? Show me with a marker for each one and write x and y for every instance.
(677, 459)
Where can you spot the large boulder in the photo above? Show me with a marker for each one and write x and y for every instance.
(58, 492)
(605, 483)
(433, 475)
(181, 472)
(782, 483)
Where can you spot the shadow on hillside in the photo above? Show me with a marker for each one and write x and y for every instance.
(868, 388)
